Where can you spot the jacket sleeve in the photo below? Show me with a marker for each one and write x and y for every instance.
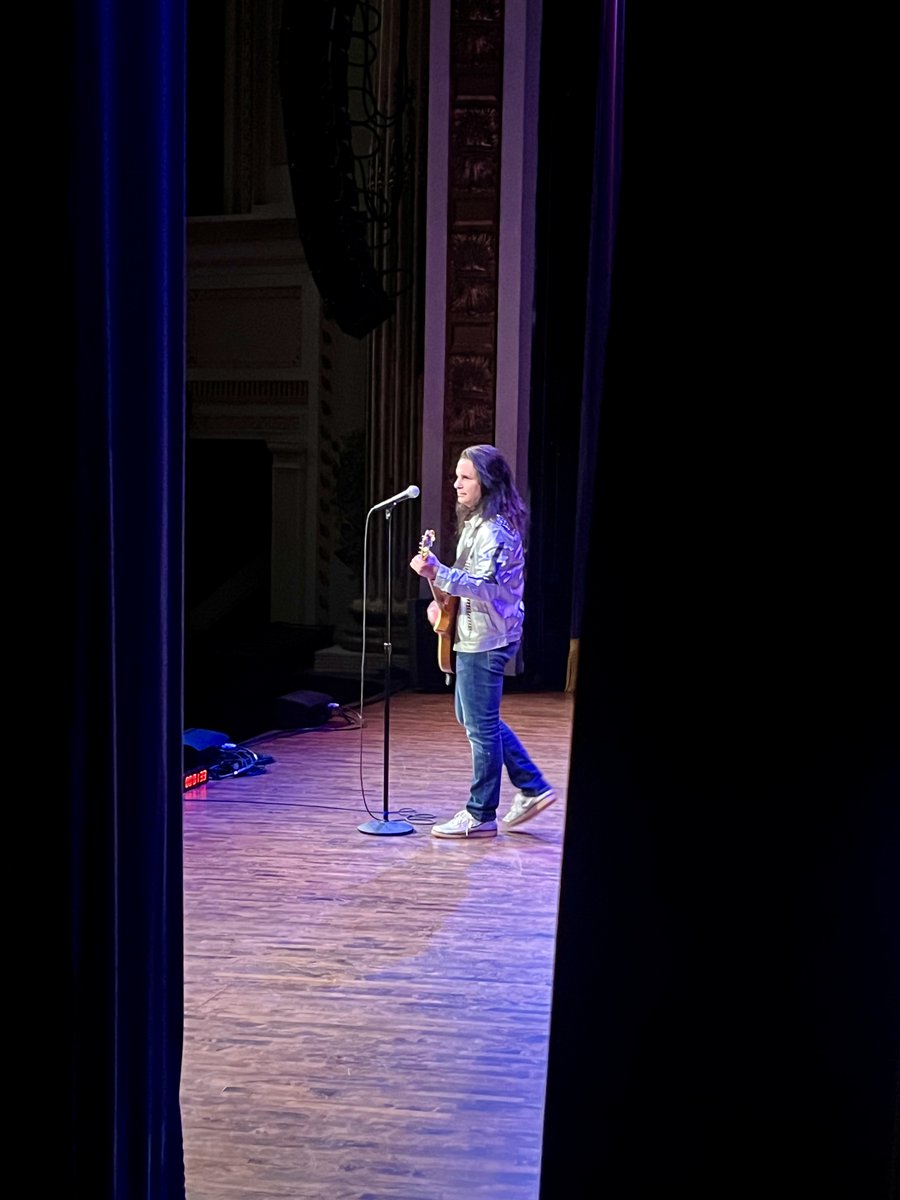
(493, 571)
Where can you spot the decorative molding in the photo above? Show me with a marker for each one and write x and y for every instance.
(473, 234)
(250, 327)
(275, 410)
(230, 230)
(480, 43)
(271, 390)
(475, 254)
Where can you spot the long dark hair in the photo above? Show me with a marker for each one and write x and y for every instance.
(499, 495)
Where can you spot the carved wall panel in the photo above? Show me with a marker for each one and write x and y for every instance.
(473, 233)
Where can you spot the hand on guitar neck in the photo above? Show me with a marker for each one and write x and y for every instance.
(442, 609)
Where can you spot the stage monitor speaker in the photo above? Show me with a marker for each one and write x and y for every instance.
(303, 710)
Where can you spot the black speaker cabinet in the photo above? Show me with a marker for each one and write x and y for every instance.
(303, 710)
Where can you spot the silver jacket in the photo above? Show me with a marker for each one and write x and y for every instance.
(489, 579)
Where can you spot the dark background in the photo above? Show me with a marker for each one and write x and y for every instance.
(725, 1010)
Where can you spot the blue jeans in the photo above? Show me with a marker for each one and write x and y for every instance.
(479, 690)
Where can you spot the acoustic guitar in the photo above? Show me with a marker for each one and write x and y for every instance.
(445, 625)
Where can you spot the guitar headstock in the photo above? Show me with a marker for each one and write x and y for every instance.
(426, 543)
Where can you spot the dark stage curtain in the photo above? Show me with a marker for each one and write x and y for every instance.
(726, 1007)
(118, 333)
(601, 246)
(568, 76)
(578, 185)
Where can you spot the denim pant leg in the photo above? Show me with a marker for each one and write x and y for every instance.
(479, 690)
(523, 772)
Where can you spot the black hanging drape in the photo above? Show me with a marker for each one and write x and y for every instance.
(578, 185)
(604, 194)
(726, 1005)
(117, 164)
(563, 239)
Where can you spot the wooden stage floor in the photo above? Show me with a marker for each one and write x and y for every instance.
(367, 1016)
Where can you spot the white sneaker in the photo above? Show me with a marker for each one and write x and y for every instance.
(464, 825)
(523, 807)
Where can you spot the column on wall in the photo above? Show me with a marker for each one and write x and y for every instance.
(484, 69)
(397, 175)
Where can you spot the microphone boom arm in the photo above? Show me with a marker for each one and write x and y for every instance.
(410, 494)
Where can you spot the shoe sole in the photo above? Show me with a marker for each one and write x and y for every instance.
(530, 812)
(465, 837)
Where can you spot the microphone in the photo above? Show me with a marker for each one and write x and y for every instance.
(410, 494)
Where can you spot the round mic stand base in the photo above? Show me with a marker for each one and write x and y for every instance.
(386, 826)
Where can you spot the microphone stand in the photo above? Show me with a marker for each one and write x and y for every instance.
(386, 825)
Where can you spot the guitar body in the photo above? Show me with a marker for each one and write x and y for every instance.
(445, 625)
(445, 628)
